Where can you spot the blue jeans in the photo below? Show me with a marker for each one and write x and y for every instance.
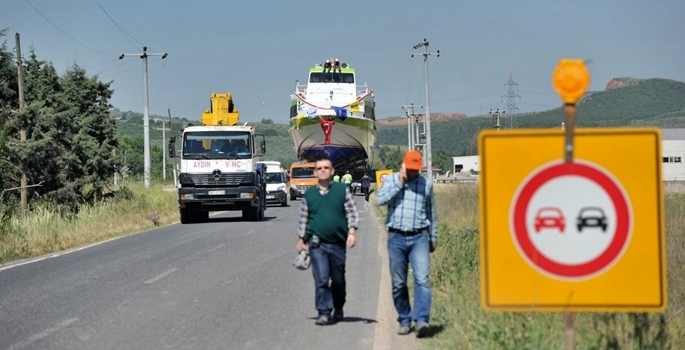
(328, 262)
(414, 250)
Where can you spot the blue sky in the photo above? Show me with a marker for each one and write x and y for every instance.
(257, 49)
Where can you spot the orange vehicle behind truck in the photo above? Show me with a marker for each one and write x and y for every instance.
(301, 178)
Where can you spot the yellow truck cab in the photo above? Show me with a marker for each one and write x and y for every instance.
(301, 178)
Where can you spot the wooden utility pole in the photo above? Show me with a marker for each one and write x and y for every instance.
(22, 132)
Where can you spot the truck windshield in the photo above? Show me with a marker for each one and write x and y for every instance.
(217, 144)
(274, 178)
(302, 172)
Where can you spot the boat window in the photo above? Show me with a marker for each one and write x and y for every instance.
(320, 77)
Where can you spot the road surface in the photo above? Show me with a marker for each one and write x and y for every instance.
(225, 284)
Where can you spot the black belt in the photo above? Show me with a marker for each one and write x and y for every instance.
(407, 233)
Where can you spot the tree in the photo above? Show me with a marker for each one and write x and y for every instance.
(394, 159)
(443, 160)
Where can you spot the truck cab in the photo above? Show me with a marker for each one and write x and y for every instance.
(301, 178)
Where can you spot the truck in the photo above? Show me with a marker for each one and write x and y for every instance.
(219, 168)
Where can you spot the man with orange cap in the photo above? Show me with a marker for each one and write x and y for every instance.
(412, 236)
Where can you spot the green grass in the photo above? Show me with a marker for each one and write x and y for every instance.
(44, 230)
(464, 324)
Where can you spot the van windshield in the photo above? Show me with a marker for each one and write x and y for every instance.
(302, 172)
(274, 178)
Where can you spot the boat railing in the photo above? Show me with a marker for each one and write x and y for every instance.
(302, 88)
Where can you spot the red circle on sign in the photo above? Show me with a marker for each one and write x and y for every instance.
(596, 265)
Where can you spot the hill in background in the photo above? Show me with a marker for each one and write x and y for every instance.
(625, 102)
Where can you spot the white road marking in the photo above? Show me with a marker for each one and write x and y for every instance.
(216, 248)
(245, 234)
(161, 275)
(60, 254)
(43, 334)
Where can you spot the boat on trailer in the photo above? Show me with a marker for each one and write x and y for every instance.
(334, 117)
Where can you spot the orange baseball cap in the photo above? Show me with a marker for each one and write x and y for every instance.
(413, 160)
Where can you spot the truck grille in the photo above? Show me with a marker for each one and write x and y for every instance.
(210, 180)
(302, 188)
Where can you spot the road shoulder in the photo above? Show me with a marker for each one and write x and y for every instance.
(385, 336)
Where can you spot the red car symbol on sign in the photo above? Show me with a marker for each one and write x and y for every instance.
(548, 217)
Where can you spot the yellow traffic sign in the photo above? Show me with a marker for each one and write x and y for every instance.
(380, 176)
(586, 235)
(571, 79)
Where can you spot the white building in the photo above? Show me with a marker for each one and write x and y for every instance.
(466, 165)
(672, 155)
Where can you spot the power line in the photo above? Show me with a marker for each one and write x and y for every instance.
(65, 33)
(125, 70)
(121, 30)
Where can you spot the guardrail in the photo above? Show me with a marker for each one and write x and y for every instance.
(460, 179)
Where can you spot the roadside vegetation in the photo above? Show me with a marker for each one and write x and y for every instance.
(47, 228)
(460, 322)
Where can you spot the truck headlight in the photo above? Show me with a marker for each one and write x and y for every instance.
(280, 188)
(187, 196)
(246, 195)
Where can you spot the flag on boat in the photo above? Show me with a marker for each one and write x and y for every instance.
(340, 112)
(298, 120)
(354, 107)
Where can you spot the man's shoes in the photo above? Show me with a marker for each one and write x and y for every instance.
(322, 320)
(338, 315)
(404, 330)
(422, 330)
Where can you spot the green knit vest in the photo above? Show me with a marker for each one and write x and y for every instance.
(327, 216)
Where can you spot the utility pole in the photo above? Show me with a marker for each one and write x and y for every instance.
(511, 87)
(163, 148)
(427, 118)
(22, 131)
(495, 118)
(411, 125)
(146, 117)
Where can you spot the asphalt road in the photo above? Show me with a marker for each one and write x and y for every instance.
(225, 284)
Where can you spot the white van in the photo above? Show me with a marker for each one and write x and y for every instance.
(276, 183)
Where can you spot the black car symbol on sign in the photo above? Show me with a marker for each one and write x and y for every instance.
(591, 217)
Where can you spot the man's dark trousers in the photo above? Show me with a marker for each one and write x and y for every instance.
(365, 190)
(328, 261)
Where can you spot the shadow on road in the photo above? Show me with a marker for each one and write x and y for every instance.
(352, 319)
(236, 219)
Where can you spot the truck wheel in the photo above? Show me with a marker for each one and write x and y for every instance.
(254, 213)
(202, 216)
(186, 216)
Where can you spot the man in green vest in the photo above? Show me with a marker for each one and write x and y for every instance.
(336, 178)
(328, 222)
